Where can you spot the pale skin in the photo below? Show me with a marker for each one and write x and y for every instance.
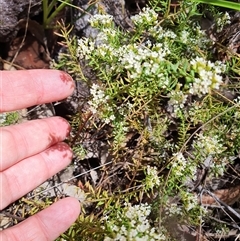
(33, 151)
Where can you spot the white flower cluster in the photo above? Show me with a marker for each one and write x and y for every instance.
(85, 47)
(160, 33)
(104, 20)
(105, 49)
(147, 17)
(177, 99)
(100, 99)
(219, 166)
(144, 60)
(209, 76)
(172, 209)
(222, 21)
(106, 35)
(126, 108)
(152, 180)
(184, 36)
(198, 38)
(208, 145)
(182, 168)
(109, 119)
(237, 112)
(201, 40)
(190, 200)
(134, 225)
(179, 164)
(109, 55)
(237, 100)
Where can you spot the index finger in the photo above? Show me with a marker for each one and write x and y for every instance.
(25, 88)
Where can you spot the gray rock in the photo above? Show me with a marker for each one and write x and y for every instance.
(82, 25)
(11, 11)
(116, 8)
(119, 12)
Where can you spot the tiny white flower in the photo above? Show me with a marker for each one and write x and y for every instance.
(184, 36)
(209, 76)
(101, 19)
(3, 117)
(146, 16)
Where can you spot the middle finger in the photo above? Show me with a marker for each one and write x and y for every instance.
(30, 138)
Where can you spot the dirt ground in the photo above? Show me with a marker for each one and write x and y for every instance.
(25, 44)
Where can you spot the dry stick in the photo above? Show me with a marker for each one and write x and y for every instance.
(11, 64)
(228, 208)
(80, 128)
(9, 215)
(223, 222)
(81, 174)
(24, 36)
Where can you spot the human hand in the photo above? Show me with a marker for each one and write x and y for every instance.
(32, 152)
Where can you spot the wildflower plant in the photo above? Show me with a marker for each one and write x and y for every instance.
(9, 118)
(160, 81)
(132, 223)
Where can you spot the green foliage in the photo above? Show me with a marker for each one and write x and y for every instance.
(69, 60)
(9, 118)
(160, 82)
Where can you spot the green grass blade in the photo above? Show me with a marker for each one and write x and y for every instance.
(56, 12)
(221, 3)
(51, 5)
(45, 11)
